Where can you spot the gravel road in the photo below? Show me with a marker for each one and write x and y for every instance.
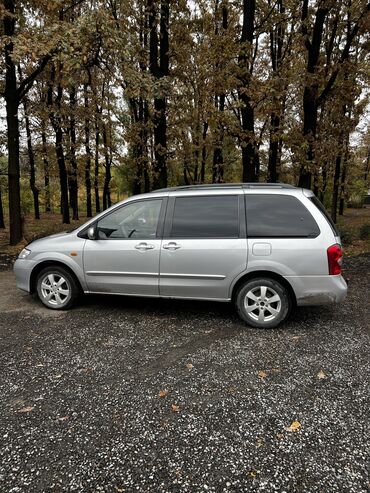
(125, 395)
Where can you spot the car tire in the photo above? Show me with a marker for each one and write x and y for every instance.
(57, 288)
(263, 303)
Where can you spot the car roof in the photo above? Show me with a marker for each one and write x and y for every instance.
(218, 186)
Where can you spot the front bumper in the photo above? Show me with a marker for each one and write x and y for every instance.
(318, 290)
(22, 271)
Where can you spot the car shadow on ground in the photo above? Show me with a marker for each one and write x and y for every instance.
(199, 308)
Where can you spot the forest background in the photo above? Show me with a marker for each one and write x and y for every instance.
(101, 99)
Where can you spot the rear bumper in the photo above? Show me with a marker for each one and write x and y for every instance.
(22, 271)
(318, 290)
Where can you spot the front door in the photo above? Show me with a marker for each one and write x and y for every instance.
(204, 247)
(124, 259)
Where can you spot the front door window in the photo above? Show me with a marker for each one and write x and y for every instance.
(138, 220)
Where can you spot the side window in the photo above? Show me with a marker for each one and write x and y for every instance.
(206, 217)
(278, 216)
(136, 220)
(323, 211)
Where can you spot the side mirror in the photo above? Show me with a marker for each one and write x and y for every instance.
(91, 233)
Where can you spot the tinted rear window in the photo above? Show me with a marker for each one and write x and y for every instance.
(323, 211)
(206, 217)
(279, 216)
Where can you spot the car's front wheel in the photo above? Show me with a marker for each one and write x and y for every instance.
(263, 303)
(57, 288)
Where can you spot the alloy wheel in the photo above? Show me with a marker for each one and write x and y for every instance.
(55, 289)
(262, 304)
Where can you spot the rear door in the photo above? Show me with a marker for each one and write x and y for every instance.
(283, 236)
(125, 257)
(204, 246)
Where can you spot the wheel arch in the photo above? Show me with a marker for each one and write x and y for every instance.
(264, 273)
(48, 263)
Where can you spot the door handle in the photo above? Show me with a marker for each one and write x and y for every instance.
(144, 246)
(171, 246)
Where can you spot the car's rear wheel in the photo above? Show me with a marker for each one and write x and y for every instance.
(263, 303)
(57, 288)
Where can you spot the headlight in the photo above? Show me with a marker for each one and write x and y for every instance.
(24, 253)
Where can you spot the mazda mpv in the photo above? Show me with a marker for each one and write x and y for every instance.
(264, 247)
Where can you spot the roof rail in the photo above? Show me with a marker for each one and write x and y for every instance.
(185, 188)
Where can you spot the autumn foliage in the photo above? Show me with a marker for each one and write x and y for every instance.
(107, 98)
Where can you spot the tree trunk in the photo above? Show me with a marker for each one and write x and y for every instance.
(31, 159)
(310, 95)
(218, 158)
(2, 223)
(73, 175)
(88, 154)
(15, 220)
(342, 188)
(204, 153)
(367, 166)
(13, 95)
(46, 169)
(276, 53)
(140, 117)
(274, 156)
(139, 110)
(185, 170)
(63, 177)
(12, 103)
(337, 170)
(309, 133)
(96, 166)
(196, 155)
(158, 71)
(248, 142)
(56, 122)
(343, 177)
(334, 204)
(107, 178)
(144, 139)
(324, 181)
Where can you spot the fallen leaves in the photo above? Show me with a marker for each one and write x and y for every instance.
(262, 374)
(26, 409)
(321, 375)
(63, 418)
(260, 442)
(295, 338)
(295, 426)
(174, 407)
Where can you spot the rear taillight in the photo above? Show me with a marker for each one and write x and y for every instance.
(335, 256)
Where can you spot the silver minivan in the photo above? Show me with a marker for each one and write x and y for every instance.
(264, 247)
